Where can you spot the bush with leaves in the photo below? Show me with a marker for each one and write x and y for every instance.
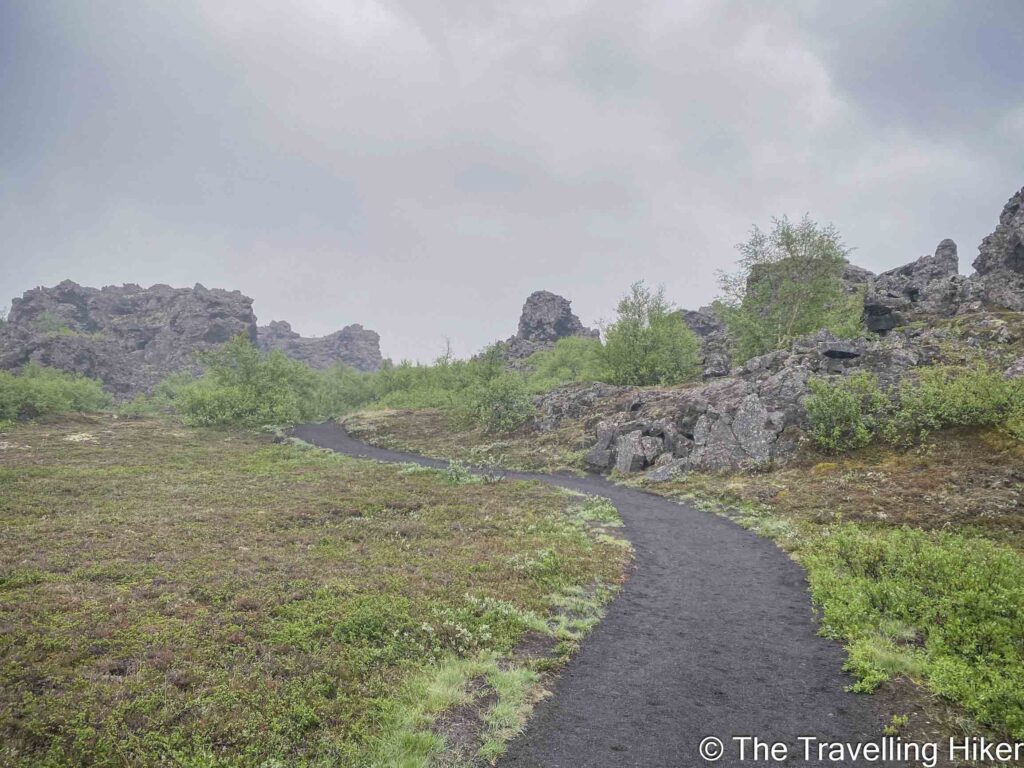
(789, 283)
(495, 398)
(843, 415)
(956, 602)
(38, 391)
(649, 343)
(851, 412)
(572, 359)
(340, 390)
(941, 396)
(242, 386)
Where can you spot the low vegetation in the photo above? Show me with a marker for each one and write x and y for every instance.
(852, 412)
(208, 597)
(574, 359)
(431, 432)
(36, 391)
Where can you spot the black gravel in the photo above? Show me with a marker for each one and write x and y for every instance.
(712, 635)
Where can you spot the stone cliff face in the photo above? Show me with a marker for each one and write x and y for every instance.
(352, 346)
(999, 268)
(131, 338)
(545, 319)
(126, 336)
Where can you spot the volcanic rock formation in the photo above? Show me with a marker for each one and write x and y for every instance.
(130, 337)
(546, 318)
(352, 346)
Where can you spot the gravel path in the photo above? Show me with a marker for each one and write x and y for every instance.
(712, 635)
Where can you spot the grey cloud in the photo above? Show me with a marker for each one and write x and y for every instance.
(420, 167)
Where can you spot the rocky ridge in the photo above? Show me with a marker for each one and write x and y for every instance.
(131, 338)
(352, 346)
(752, 415)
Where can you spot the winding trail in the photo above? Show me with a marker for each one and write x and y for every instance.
(712, 635)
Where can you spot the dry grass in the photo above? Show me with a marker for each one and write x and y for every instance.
(966, 480)
(207, 597)
(431, 432)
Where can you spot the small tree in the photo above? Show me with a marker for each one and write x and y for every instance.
(789, 283)
(648, 343)
(243, 386)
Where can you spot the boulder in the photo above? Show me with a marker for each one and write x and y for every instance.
(570, 401)
(667, 470)
(599, 459)
(999, 267)
(353, 346)
(630, 452)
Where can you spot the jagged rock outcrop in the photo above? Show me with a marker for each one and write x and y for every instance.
(746, 420)
(546, 318)
(999, 267)
(931, 286)
(714, 341)
(126, 336)
(352, 346)
(571, 401)
(131, 338)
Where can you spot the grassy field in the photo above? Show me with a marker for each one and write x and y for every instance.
(210, 598)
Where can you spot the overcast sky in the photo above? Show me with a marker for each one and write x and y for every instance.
(421, 166)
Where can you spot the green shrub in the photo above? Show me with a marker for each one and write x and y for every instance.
(242, 386)
(648, 343)
(852, 412)
(944, 396)
(500, 404)
(38, 391)
(571, 359)
(161, 400)
(789, 283)
(341, 390)
(843, 415)
(943, 605)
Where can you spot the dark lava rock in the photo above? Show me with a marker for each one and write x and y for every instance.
(545, 319)
(1000, 264)
(126, 336)
(352, 346)
(131, 338)
(714, 341)
(931, 286)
